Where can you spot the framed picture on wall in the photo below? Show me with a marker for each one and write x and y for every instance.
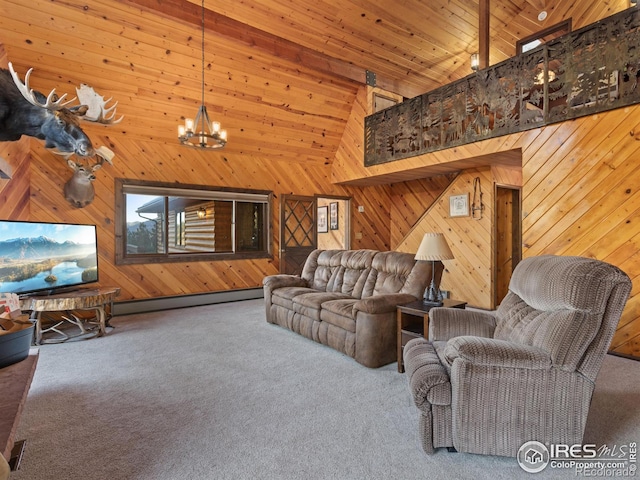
(323, 225)
(333, 216)
(459, 205)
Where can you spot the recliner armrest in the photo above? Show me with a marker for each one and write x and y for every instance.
(447, 323)
(382, 303)
(499, 353)
(282, 280)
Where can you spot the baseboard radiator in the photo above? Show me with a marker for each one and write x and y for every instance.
(181, 301)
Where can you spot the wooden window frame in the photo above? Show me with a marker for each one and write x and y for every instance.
(559, 28)
(130, 186)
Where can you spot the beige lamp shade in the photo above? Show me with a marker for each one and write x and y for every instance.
(434, 247)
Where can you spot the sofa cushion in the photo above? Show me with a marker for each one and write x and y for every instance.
(320, 266)
(389, 272)
(310, 304)
(284, 296)
(350, 272)
(339, 313)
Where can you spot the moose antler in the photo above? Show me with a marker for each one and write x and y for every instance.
(52, 102)
(98, 111)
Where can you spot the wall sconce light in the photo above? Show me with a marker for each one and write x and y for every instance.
(202, 212)
(475, 61)
(633, 3)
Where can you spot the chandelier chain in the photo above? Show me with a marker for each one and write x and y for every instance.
(202, 55)
(202, 133)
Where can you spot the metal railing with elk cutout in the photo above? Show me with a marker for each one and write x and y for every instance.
(587, 71)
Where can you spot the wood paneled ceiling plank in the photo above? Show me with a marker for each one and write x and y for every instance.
(260, 40)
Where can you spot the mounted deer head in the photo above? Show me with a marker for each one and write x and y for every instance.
(24, 111)
(78, 190)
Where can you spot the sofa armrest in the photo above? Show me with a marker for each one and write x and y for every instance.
(447, 323)
(499, 353)
(382, 303)
(273, 282)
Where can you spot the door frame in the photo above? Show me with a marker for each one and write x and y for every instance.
(516, 235)
(347, 216)
(282, 249)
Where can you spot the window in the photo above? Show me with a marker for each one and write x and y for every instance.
(180, 228)
(160, 222)
(551, 33)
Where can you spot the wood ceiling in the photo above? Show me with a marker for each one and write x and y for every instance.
(412, 46)
(281, 75)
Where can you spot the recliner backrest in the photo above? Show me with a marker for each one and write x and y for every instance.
(568, 306)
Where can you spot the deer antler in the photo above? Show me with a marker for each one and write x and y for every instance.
(101, 153)
(98, 111)
(105, 154)
(52, 102)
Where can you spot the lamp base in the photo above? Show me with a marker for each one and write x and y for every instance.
(432, 295)
(431, 303)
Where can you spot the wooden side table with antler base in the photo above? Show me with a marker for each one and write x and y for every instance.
(70, 306)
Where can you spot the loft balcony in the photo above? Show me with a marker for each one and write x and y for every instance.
(581, 73)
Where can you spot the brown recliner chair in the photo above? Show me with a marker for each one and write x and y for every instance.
(487, 382)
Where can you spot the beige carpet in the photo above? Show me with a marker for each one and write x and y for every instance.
(215, 392)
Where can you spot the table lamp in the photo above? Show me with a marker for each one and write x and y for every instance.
(433, 248)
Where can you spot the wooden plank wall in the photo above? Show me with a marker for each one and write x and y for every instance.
(580, 179)
(581, 196)
(410, 200)
(282, 118)
(333, 239)
(48, 174)
(468, 275)
(14, 193)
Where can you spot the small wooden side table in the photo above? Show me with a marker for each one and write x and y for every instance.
(413, 322)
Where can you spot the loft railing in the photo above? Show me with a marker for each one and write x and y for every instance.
(594, 69)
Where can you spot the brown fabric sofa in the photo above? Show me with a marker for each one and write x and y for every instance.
(346, 299)
(488, 382)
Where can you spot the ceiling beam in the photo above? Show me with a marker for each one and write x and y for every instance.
(191, 14)
(483, 33)
(537, 4)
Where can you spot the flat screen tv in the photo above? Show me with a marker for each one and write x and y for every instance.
(45, 258)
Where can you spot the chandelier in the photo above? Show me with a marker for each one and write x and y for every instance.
(209, 135)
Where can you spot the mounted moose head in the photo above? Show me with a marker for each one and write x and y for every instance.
(78, 190)
(24, 111)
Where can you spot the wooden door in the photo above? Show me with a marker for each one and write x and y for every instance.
(298, 236)
(508, 243)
